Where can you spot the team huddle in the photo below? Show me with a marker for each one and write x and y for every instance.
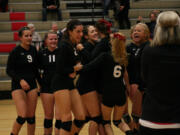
(90, 75)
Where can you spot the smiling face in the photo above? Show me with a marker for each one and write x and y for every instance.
(76, 34)
(52, 41)
(26, 38)
(92, 34)
(138, 35)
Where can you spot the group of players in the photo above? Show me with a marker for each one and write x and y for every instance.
(87, 76)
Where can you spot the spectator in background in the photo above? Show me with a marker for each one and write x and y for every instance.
(106, 4)
(51, 6)
(121, 11)
(3, 5)
(151, 25)
(160, 70)
(36, 38)
(54, 28)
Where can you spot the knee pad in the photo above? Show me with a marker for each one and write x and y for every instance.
(97, 119)
(104, 122)
(79, 123)
(135, 118)
(58, 124)
(127, 118)
(66, 125)
(20, 120)
(47, 123)
(116, 122)
(31, 120)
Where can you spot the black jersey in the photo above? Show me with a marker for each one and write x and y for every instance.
(110, 75)
(85, 81)
(47, 65)
(102, 46)
(22, 64)
(67, 58)
(134, 66)
(86, 53)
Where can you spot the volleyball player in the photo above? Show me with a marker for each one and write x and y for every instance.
(22, 68)
(67, 98)
(112, 67)
(140, 38)
(85, 83)
(47, 64)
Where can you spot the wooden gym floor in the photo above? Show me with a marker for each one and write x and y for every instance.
(8, 115)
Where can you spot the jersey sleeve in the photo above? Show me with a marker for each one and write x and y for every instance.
(95, 64)
(85, 56)
(36, 68)
(10, 69)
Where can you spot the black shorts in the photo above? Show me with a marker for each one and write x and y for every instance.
(59, 83)
(112, 99)
(46, 86)
(85, 86)
(16, 85)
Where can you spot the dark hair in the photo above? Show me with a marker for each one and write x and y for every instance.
(103, 26)
(71, 25)
(20, 33)
(85, 32)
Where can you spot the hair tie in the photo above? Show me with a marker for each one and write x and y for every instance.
(119, 36)
(108, 24)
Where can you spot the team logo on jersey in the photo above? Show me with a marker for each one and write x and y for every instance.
(137, 52)
(44, 54)
(22, 53)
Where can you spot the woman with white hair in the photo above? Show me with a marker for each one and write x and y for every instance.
(36, 38)
(160, 70)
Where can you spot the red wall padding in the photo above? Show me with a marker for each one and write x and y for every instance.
(7, 47)
(17, 25)
(14, 16)
(16, 37)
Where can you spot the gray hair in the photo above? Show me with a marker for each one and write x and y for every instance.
(167, 30)
(30, 25)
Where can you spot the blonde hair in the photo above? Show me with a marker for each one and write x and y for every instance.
(146, 30)
(119, 50)
(167, 30)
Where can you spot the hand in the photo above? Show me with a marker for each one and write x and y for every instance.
(78, 67)
(24, 85)
(72, 75)
(79, 47)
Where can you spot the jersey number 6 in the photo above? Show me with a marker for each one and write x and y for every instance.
(117, 71)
